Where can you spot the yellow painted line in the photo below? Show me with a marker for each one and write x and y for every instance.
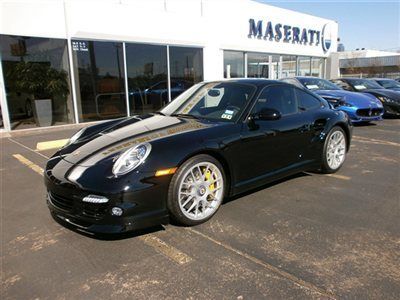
(29, 164)
(339, 176)
(56, 144)
(168, 250)
(374, 141)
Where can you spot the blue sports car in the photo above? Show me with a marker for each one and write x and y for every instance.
(359, 107)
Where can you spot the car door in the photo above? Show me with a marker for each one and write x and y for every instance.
(271, 147)
(309, 106)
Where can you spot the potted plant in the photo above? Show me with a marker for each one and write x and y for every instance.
(44, 83)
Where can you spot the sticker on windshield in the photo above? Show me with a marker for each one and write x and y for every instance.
(360, 87)
(226, 116)
(229, 112)
(312, 86)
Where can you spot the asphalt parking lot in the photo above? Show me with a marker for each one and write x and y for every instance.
(310, 236)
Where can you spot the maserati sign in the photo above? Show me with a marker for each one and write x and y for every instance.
(291, 34)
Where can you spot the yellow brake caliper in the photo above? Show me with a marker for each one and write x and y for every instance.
(208, 176)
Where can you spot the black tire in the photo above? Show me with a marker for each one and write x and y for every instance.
(325, 168)
(173, 202)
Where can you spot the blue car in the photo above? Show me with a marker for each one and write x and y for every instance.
(359, 107)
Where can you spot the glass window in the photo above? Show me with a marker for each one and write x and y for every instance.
(288, 66)
(186, 68)
(280, 98)
(99, 74)
(257, 65)
(233, 64)
(1, 118)
(37, 82)
(304, 65)
(315, 84)
(342, 84)
(306, 101)
(222, 101)
(147, 77)
(318, 67)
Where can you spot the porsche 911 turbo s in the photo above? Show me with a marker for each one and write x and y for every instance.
(359, 107)
(217, 139)
(390, 99)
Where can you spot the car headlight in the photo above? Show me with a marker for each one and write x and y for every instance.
(75, 137)
(131, 158)
(385, 99)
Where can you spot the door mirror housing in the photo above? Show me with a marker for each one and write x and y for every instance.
(266, 114)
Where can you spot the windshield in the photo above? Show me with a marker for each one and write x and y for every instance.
(364, 84)
(219, 101)
(314, 84)
(389, 84)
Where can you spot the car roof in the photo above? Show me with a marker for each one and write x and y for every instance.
(381, 79)
(351, 78)
(259, 82)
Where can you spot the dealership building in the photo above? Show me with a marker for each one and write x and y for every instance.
(76, 61)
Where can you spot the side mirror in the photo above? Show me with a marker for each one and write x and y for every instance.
(266, 114)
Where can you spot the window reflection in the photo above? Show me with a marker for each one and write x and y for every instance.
(36, 76)
(99, 79)
(147, 77)
(304, 65)
(257, 65)
(186, 68)
(318, 67)
(233, 64)
(288, 66)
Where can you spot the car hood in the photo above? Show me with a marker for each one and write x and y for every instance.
(108, 144)
(385, 92)
(353, 98)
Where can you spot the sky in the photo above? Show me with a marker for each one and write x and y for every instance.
(362, 23)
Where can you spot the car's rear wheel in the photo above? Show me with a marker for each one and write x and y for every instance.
(196, 190)
(334, 153)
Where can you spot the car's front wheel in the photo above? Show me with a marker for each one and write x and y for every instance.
(196, 190)
(334, 152)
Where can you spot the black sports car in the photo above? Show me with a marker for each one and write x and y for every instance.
(390, 99)
(215, 140)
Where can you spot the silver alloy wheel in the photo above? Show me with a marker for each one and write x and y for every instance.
(201, 191)
(336, 150)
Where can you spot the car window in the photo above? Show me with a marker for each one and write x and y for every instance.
(317, 84)
(221, 101)
(389, 84)
(306, 101)
(342, 84)
(280, 97)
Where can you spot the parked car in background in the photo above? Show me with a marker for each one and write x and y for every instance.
(390, 84)
(390, 99)
(215, 140)
(359, 107)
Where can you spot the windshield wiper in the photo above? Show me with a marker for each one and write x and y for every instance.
(186, 116)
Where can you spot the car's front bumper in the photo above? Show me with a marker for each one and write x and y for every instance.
(358, 115)
(142, 199)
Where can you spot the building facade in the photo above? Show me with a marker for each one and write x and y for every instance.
(75, 61)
